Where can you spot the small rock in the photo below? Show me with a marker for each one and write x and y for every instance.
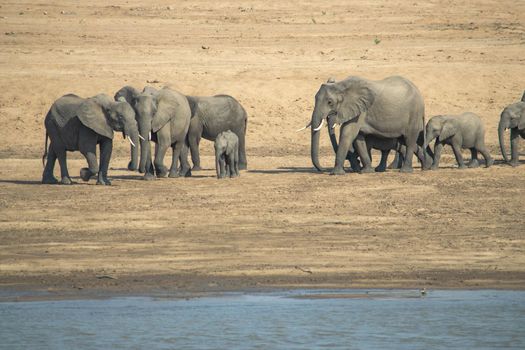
(205, 47)
(45, 13)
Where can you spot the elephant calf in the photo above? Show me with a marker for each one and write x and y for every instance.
(227, 154)
(79, 124)
(463, 131)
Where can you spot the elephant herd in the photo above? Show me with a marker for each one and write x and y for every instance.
(164, 116)
(387, 115)
(390, 114)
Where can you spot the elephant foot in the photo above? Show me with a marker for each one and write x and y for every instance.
(337, 171)
(367, 170)
(66, 180)
(243, 166)
(174, 174)
(514, 164)
(132, 167)
(434, 167)
(473, 163)
(462, 166)
(196, 168)
(232, 175)
(406, 170)
(104, 182)
(149, 177)
(162, 172)
(142, 169)
(49, 180)
(489, 163)
(86, 174)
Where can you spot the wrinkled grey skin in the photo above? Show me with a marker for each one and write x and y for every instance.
(227, 154)
(212, 115)
(464, 131)
(388, 108)
(165, 114)
(78, 124)
(128, 94)
(513, 118)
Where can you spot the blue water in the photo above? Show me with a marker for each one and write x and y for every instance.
(280, 320)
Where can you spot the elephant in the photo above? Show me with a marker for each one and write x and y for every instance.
(462, 131)
(211, 115)
(227, 154)
(513, 118)
(163, 116)
(79, 124)
(523, 97)
(389, 108)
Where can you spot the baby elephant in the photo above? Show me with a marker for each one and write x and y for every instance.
(227, 154)
(463, 131)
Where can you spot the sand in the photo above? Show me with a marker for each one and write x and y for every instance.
(281, 224)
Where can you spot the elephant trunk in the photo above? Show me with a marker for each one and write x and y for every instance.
(132, 133)
(145, 151)
(501, 136)
(331, 133)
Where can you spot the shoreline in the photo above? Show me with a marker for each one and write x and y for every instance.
(88, 286)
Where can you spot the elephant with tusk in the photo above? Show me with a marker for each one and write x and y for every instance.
(391, 108)
(79, 124)
(513, 118)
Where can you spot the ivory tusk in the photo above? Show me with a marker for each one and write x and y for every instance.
(320, 126)
(335, 124)
(129, 139)
(142, 138)
(306, 127)
(149, 136)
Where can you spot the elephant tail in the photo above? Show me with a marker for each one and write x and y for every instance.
(45, 151)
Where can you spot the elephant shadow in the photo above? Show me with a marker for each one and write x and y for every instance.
(286, 170)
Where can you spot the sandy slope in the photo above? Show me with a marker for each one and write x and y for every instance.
(447, 228)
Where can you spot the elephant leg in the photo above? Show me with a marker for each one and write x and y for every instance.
(194, 139)
(423, 158)
(411, 145)
(236, 163)
(456, 147)
(47, 175)
(163, 142)
(362, 150)
(243, 162)
(355, 164)
(438, 148)
(485, 153)
(87, 145)
(514, 146)
(345, 140)
(397, 162)
(61, 154)
(222, 166)
(231, 164)
(106, 148)
(473, 158)
(382, 164)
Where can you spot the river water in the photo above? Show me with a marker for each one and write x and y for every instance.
(375, 319)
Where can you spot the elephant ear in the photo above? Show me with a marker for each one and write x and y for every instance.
(449, 130)
(93, 116)
(521, 121)
(356, 98)
(167, 108)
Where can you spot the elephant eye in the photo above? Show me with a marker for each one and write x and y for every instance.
(330, 102)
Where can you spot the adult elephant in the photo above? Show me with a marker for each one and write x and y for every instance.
(129, 94)
(389, 108)
(513, 118)
(78, 124)
(163, 116)
(212, 115)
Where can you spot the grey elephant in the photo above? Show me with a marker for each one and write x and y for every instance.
(227, 154)
(212, 115)
(79, 124)
(513, 118)
(464, 131)
(163, 117)
(388, 108)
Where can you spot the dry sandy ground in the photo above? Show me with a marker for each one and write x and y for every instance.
(281, 224)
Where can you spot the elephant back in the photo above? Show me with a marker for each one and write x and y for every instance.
(64, 109)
